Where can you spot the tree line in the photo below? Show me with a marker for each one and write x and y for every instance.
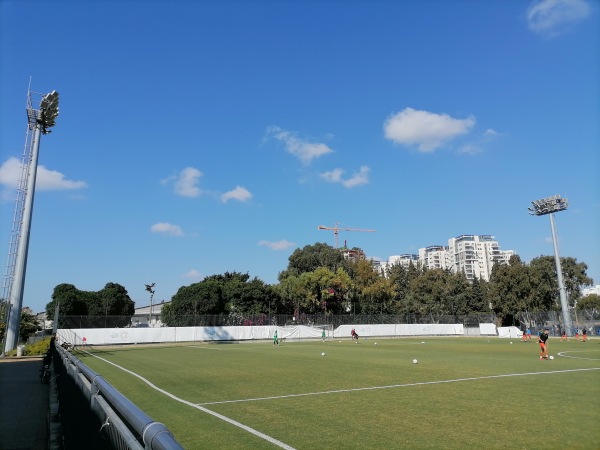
(319, 280)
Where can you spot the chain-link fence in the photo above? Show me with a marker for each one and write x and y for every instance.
(279, 320)
(588, 319)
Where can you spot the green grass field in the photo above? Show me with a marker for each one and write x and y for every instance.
(463, 393)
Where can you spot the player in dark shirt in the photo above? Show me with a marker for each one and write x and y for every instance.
(543, 341)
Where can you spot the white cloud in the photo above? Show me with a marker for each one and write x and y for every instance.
(193, 274)
(303, 150)
(278, 245)
(426, 129)
(478, 143)
(186, 182)
(469, 149)
(333, 176)
(358, 178)
(46, 180)
(239, 193)
(550, 18)
(167, 228)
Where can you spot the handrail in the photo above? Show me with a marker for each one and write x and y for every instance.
(154, 435)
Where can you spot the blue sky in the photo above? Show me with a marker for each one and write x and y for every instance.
(196, 138)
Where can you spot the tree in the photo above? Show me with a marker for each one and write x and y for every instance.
(589, 306)
(591, 301)
(478, 297)
(3, 317)
(315, 287)
(291, 292)
(402, 278)
(29, 324)
(545, 281)
(510, 289)
(458, 294)
(232, 293)
(337, 294)
(249, 297)
(190, 302)
(378, 297)
(109, 307)
(428, 291)
(71, 301)
(311, 257)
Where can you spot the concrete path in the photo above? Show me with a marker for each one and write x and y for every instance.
(24, 404)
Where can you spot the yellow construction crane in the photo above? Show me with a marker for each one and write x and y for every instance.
(336, 229)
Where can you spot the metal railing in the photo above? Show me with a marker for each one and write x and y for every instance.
(125, 425)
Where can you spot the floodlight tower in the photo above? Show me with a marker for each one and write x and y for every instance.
(39, 121)
(549, 206)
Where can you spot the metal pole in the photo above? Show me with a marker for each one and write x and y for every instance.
(16, 293)
(561, 286)
(56, 315)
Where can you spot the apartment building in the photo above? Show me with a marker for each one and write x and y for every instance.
(476, 255)
(404, 260)
(435, 257)
(473, 255)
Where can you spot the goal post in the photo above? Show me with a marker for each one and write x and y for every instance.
(325, 331)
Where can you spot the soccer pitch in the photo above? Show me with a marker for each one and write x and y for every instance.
(463, 393)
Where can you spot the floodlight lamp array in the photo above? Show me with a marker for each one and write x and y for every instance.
(48, 111)
(548, 205)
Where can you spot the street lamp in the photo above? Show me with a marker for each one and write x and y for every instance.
(150, 288)
(549, 206)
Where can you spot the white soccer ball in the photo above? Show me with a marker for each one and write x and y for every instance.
(551, 357)
(323, 354)
(375, 343)
(415, 361)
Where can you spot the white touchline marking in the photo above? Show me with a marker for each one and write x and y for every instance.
(339, 391)
(201, 408)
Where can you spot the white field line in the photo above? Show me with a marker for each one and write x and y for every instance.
(395, 386)
(564, 354)
(201, 408)
(199, 347)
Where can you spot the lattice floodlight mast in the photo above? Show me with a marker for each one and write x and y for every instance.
(39, 121)
(548, 206)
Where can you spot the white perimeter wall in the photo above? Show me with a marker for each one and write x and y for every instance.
(111, 336)
(509, 332)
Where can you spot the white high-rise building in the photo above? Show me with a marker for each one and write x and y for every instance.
(591, 290)
(476, 255)
(404, 260)
(472, 255)
(435, 257)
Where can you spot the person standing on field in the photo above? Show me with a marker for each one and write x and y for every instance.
(323, 335)
(543, 341)
(275, 340)
(564, 336)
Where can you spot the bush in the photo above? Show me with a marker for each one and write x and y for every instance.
(38, 348)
